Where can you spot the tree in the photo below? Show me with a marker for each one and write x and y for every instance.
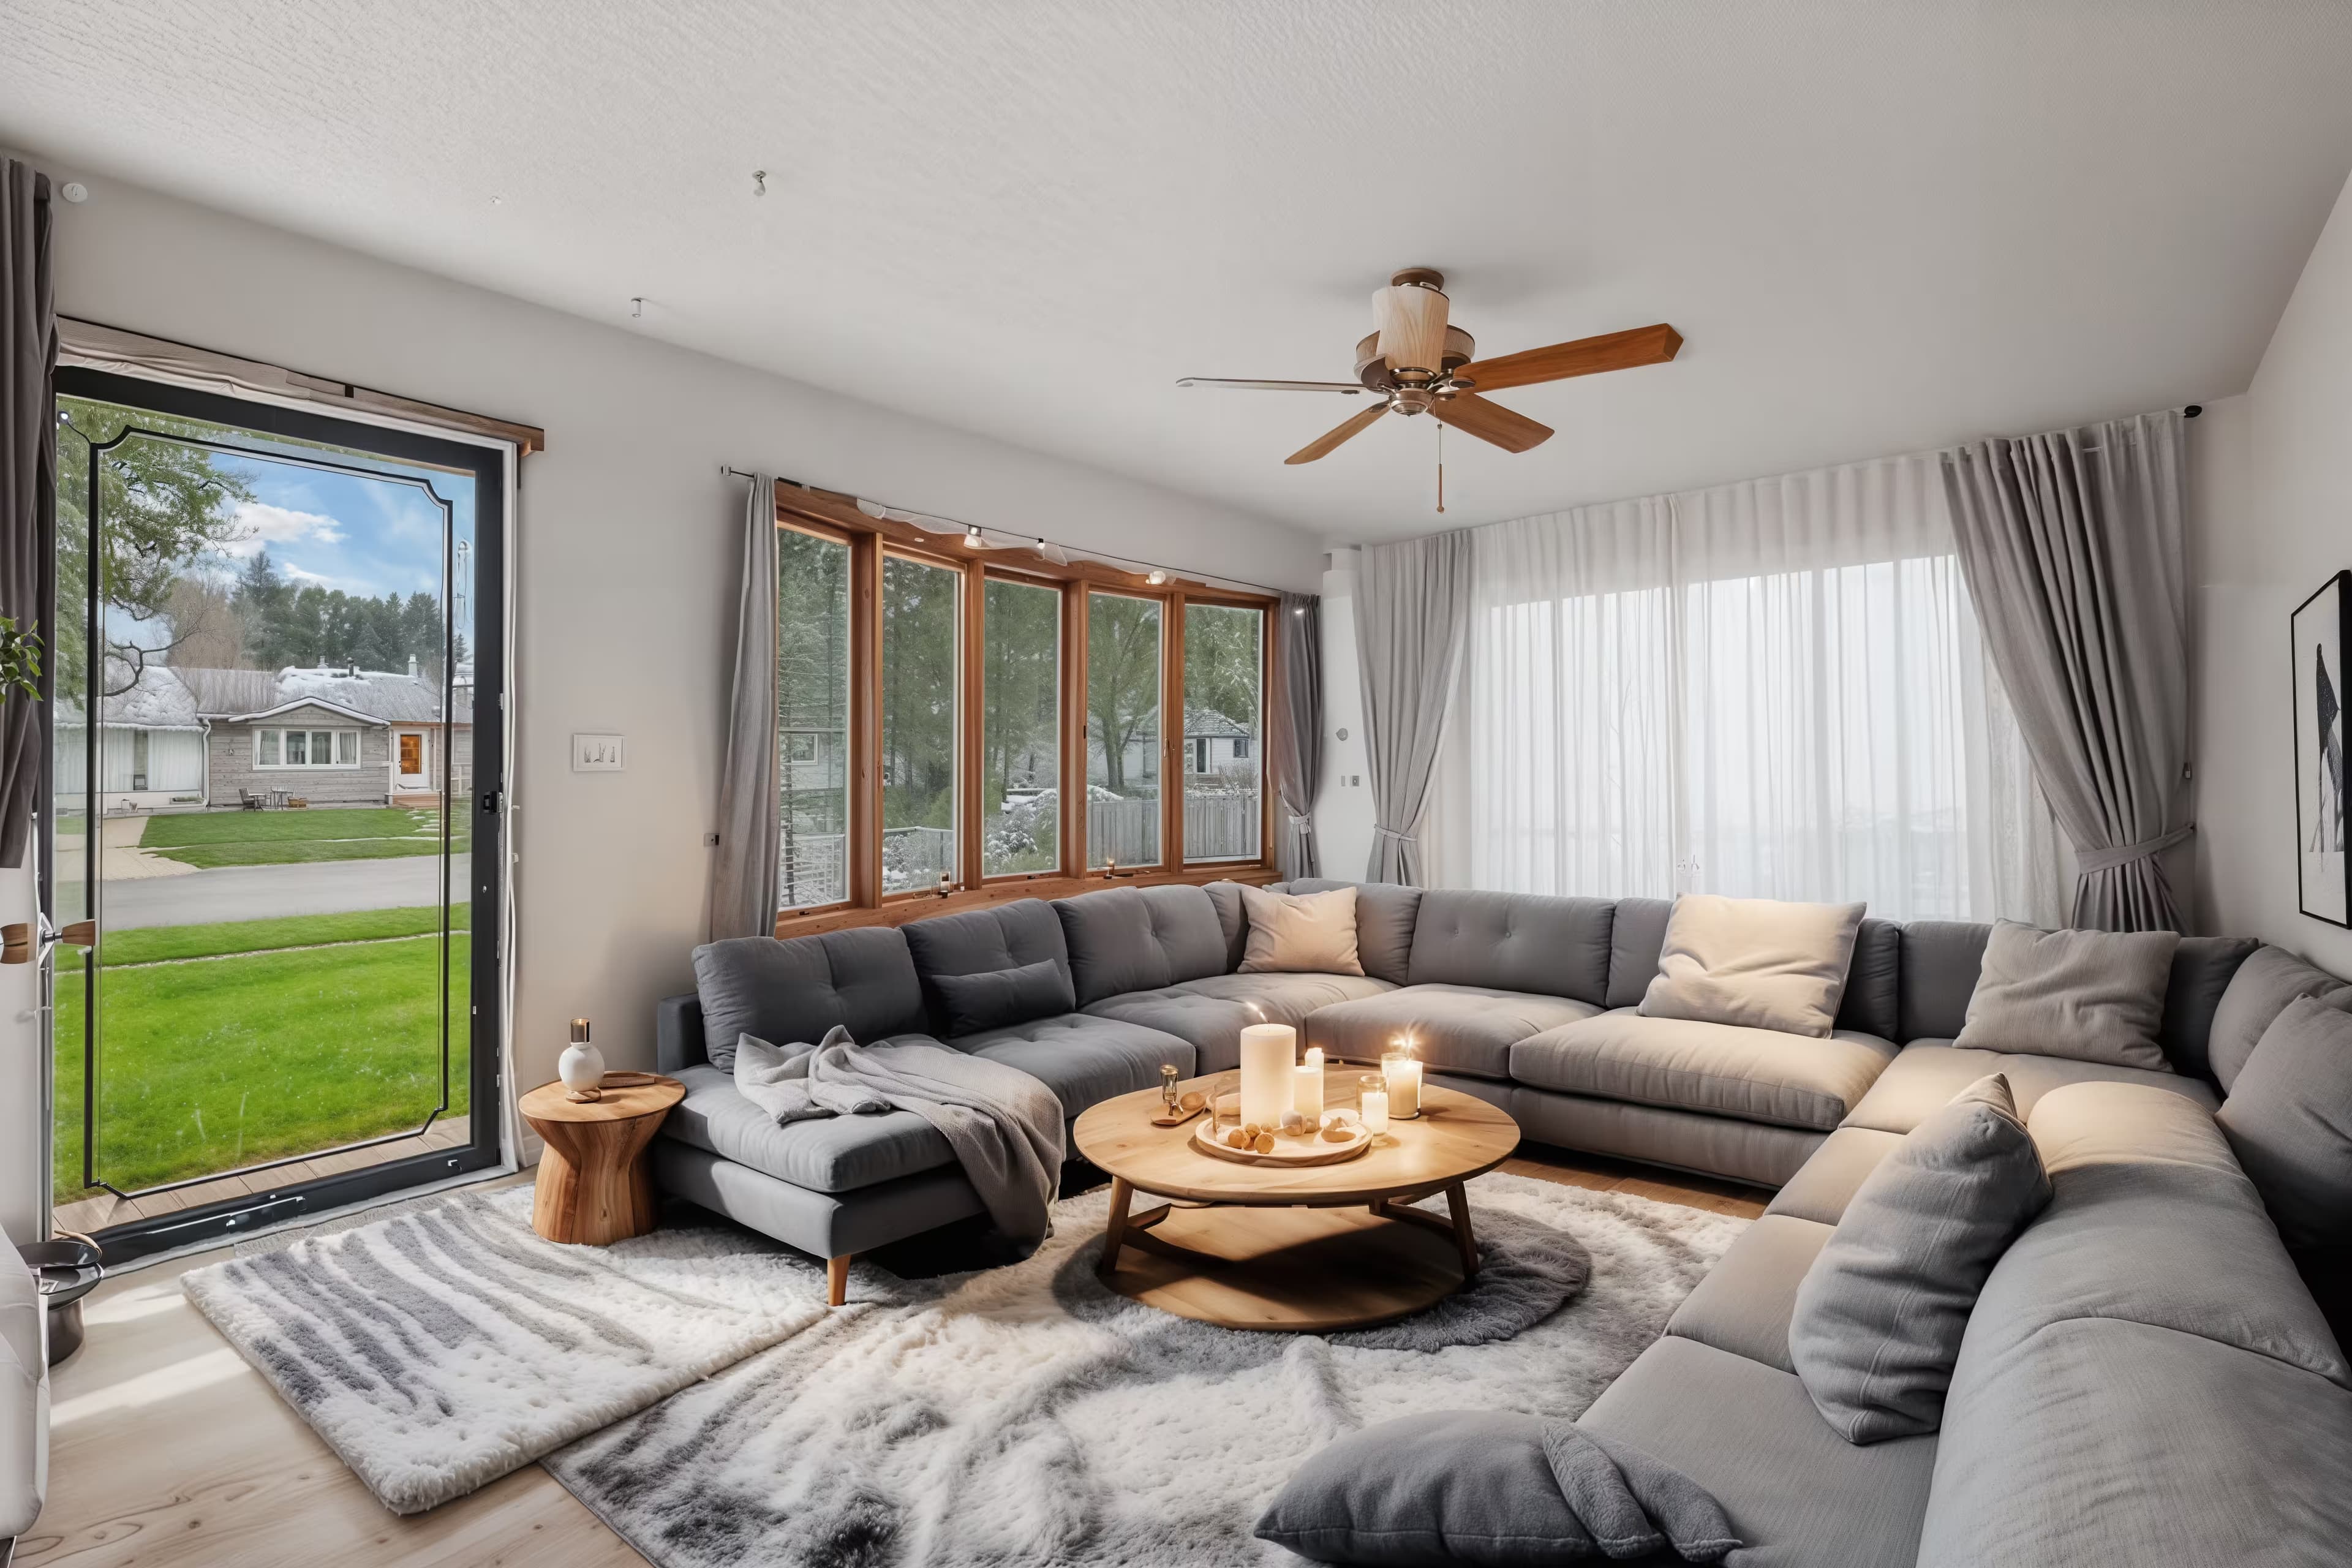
(164, 507)
(1122, 680)
(208, 630)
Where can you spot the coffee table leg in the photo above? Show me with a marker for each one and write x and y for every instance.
(1122, 1196)
(1458, 1202)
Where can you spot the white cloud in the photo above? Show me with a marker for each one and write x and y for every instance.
(320, 579)
(260, 525)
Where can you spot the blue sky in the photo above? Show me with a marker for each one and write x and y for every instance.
(365, 536)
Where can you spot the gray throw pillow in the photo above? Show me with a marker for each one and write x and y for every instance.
(2091, 996)
(996, 997)
(2258, 993)
(1757, 963)
(2289, 1121)
(1880, 1313)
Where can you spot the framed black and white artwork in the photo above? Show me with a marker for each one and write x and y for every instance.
(2321, 635)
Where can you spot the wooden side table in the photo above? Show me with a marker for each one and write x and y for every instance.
(594, 1186)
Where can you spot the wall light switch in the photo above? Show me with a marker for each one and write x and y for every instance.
(597, 754)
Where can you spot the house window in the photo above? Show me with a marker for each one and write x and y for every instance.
(947, 714)
(282, 748)
(1224, 664)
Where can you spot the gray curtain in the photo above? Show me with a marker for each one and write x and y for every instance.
(744, 876)
(2072, 546)
(1296, 730)
(1413, 613)
(28, 473)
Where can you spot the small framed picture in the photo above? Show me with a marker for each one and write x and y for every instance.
(2321, 633)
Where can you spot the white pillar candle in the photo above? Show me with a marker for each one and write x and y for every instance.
(1270, 1060)
(1403, 1075)
(1372, 1106)
(1307, 1097)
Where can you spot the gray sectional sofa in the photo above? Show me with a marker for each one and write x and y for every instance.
(2145, 1379)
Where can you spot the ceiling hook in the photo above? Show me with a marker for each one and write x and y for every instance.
(759, 181)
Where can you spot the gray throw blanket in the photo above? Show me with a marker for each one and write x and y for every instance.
(1005, 1126)
(1633, 1504)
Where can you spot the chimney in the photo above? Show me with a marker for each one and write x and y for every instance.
(412, 671)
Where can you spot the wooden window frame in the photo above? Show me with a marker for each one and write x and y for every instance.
(834, 517)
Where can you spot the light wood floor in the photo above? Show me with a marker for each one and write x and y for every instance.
(167, 1448)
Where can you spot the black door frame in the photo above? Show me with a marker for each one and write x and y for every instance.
(488, 466)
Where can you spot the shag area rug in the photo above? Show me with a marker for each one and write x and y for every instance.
(1028, 1415)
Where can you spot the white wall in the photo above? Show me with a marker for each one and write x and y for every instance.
(2278, 523)
(627, 565)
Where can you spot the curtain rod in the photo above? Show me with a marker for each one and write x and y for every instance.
(875, 508)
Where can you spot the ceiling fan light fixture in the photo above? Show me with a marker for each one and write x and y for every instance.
(1411, 321)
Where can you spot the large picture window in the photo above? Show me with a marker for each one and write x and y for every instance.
(950, 717)
(280, 747)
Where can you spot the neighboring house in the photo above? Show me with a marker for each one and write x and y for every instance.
(214, 737)
(1213, 743)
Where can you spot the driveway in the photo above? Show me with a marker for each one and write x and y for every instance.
(266, 892)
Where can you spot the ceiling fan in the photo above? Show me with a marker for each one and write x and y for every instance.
(1418, 363)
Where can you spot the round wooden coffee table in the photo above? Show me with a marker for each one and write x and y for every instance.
(594, 1185)
(1301, 1249)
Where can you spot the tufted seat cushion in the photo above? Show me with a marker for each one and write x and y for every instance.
(824, 1154)
(1453, 1028)
(1083, 1059)
(1211, 1012)
(1924, 1077)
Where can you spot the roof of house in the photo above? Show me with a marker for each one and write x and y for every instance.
(174, 698)
(1209, 721)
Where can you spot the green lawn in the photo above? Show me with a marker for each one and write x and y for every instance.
(280, 838)
(156, 945)
(212, 1065)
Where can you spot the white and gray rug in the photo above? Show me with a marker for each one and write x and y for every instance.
(1028, 1415)
(717, 1414)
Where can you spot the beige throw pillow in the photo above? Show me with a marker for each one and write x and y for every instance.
(1300, 932)
(2092, 995)
(1757, 963)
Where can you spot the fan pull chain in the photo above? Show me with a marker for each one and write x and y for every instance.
(1440, 467)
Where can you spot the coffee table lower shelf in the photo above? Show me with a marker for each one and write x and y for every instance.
(1295, 1269)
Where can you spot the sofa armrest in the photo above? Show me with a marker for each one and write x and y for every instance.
(677, 1033)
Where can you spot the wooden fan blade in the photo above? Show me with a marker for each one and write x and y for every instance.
(1585, 356)
(1345, 388)
(1474, 415)
(1325, 444)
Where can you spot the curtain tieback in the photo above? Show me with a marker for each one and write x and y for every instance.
(1392, 833)
(1301, 823)
(2089, 860)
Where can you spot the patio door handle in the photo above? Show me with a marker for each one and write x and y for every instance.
(21, 943)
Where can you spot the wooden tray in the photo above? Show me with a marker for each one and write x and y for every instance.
(1295, 1151)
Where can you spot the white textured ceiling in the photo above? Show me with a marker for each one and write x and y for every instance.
(1881, 223)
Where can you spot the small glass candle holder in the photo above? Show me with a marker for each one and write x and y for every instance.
(1373, 1102)
(1401, 1069)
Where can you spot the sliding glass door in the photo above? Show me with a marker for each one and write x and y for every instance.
(273, 831)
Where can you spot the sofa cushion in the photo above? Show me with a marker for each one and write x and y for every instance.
(1762, 964)
(862, 979)
(1018, 935)
(1926, 1074)
(1880, 1314)
(1749, 1151)
(1830, 1179)
(1385, 915)
(1136, 939)
(2093, 996)
(1761, 1075)
(1211, 1013)
(1300, 933)
(1083, 1059)
(2259, 990)
(1233, 920)
(1513, 942)
(997, 997)
(824, 1155)
(1453, 1028)
(1745, 1302)
(1940, 960)
(2108, 1443)
(1637, 934)
(2289, 1119)
(2203, 968)
(1450, 1487)
(1873, 1002)
(1796, 1493)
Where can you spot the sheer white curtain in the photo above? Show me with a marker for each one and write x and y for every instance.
(1769, 690)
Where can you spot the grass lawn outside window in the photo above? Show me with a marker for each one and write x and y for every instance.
(278, 837)
(227, 1045)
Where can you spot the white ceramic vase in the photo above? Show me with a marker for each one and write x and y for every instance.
(581, 1065)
